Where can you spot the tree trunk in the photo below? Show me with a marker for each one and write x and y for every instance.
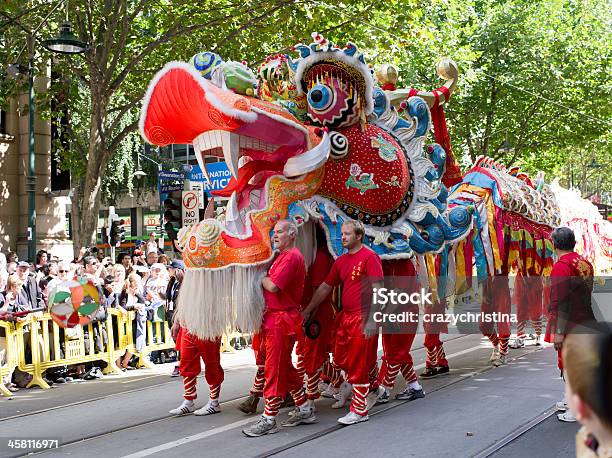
(98, 155)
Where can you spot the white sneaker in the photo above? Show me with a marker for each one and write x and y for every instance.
(351, 418)
(185, 408)
(494, 354)
(566, 416)
(323, 386)
(261, 427)
(562, 406)
(210, 408)
(330, 391)
(519, 342)
(374, 395)
(300, 416)
(296, 409)
(344, 394)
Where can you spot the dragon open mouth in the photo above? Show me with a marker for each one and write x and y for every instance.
(271, 155)
(252, 162)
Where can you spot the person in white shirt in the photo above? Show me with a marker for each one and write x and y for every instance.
(151, 244)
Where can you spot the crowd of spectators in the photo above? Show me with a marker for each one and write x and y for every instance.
(145, 281)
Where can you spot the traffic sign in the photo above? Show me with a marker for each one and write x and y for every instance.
(190, 204)
(171, 187)
(170, 175)
(218, 173)
(199, 188)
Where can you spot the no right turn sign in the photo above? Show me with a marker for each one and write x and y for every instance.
(190, 204)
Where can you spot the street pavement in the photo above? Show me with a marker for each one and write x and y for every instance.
(476, 410)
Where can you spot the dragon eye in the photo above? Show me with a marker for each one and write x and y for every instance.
(320, 97)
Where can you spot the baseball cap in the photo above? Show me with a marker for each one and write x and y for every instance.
(23, 264)
(177, 264)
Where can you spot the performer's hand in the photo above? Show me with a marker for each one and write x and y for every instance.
(558, 342)
(306, 314)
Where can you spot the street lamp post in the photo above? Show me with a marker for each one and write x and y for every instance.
(141, 173)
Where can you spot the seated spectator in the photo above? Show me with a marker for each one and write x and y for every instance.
(9, 302)
(163, 259)
(3, 272)
(126, 261)
(131, 299)
(31, 292)
(152, 258)
(588, 371)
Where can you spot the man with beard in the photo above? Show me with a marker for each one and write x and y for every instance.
(354, 351)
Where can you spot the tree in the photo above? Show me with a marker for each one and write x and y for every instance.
(130, 40)
(532, 89)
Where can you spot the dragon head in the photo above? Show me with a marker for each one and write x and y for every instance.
(273, 157)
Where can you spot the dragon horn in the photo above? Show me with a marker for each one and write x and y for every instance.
(447, 69)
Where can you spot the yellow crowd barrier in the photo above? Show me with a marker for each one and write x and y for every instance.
(37, 344)
(8, 354)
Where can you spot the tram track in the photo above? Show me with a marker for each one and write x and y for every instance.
(388, 407)
(278, 450)
(143, 388)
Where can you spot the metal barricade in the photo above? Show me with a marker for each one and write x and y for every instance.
(38, 344)
(11, 360)
(51, 346)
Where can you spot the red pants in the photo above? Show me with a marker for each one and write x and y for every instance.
(192, 349)
(256, 346)
(528, 293)
(496, 299)
(314, 351)
(396, 348)
(354, 352)
(276, 346)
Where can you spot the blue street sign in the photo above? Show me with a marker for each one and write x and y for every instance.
(171, 187)
(169, 175)
(218, 173)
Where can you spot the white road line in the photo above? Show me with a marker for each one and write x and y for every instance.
(222, 429)
(186, 440)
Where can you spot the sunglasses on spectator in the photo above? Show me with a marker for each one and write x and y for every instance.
(61, 271)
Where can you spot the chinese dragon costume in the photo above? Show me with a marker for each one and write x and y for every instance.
(318, 136)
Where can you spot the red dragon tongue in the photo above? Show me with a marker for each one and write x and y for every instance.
(245, 173)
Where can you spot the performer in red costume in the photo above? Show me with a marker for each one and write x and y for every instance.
(249, 405)
(282, 289)
(397, 344)
(527, 297)
(354, 351)
(436, 362)
(570, 298)
(193, 348)
(314, 350)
